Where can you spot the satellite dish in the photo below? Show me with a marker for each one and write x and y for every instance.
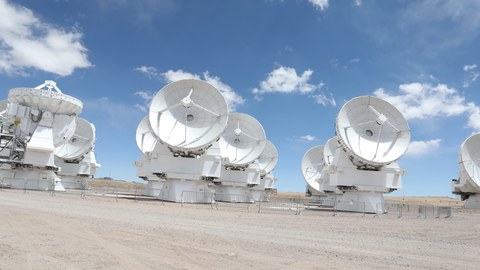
(188, 115)
(244, 140)
(329, 150)
(63, 128)
(372, 131)
(46, 99)
(268, 159)
(79, 144)
(312, 166)
(146, 139)
(470, 158)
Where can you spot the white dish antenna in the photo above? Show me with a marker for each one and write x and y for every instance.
(146, 138)
(312, 166)
(79, 144)
(329, 150)
(372, 131)
(63, 128)
(268, 159)
(244, 140)
(46, 97)
(470, 157)
(188, 115)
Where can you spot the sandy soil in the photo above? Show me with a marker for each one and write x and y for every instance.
(38, 231)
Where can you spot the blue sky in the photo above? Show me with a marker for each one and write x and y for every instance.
(291, 64)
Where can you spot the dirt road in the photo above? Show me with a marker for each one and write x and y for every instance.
(38, 231)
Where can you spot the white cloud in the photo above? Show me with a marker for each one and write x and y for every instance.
(358, 3)
(232, 98)
(176, 75)
(324, 100)
(27, 42)
(319, 4)
(286, 80)
(417, 148)
(422, 101)
(151, 72)
(474, 118)
(147, 99)
(307, 138)
(469, 67)
(472, 74)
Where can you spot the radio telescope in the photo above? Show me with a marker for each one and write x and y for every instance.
(75, 156)
(241, 145)
(243, 141)
(317, 181)
(151, 147)
(188, 115)
(372, 135)
(329, 150)
(372, 131)
(34, 123)
(312, 170)
(468, 184)
(79, 144)
(266, 163)
(180, 155)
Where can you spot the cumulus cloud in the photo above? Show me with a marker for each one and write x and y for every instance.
(319, 4)
(474, 118)
(417, 100)
(358, 3)
(421, 101)
(417, 148)
(27, 42)
(472, 74)
(286, 80)
(233, 99)
(175, 75)
(307, 138)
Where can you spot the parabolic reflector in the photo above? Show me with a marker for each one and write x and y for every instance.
(329, 150)
(79, 144)
(268, 159)
(63, 128)
(372, 131)
(244, 140)
(146, 139)
(188, 115)
(312, 165)
(470, 158)
(46, 99)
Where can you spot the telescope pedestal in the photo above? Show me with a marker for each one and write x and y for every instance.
(31, 179)
(473, 202)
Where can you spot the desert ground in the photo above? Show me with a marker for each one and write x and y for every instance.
(40, 231)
